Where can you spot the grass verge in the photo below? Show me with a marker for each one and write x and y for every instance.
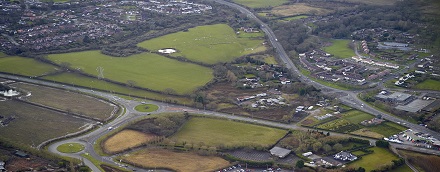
(70, 148)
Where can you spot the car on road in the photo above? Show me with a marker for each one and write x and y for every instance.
(110, 128)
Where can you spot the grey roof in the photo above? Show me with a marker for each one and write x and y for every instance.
(280, 152)
(415, 105)
(398, 96)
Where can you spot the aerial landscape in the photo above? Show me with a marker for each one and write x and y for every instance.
(220, 85)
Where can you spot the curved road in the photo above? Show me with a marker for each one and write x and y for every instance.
(349, 98)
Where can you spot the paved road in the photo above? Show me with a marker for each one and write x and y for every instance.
(130, 114)
(349, 98)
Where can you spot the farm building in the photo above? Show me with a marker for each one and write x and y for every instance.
(279, 152)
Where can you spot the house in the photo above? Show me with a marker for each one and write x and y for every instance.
(279, 152)
(344, 156)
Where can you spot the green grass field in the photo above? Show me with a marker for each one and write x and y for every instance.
(146, 108)
(294, 18)
(356, 117)
(24, 66)
(373, 161)
(260, 3)
(33, 125)
(68, 101)
(3, 54)
(340, 49)
(270, 60)
(250, 35)
(403, 168)
(70, 148)
(216, 132)
(387, 128)
(207, 44)
(429, 84)
(93, 83)
(146, 70)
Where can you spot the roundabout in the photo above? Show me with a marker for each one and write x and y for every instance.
(146, 108)
(71, 148)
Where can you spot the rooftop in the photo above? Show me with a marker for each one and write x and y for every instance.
(280, 152)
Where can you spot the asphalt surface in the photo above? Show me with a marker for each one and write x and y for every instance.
(347, 97)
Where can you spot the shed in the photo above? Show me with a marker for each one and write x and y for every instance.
(279, 152)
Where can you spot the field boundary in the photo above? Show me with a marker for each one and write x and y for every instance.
(57, 110)
(47, 142)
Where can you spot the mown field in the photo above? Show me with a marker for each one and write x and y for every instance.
(216, 132)
(68, 101)
(144, 70)
(93, 83)
(298, 9)
(178, 161)
(387, 128)
(33, 125)
(70, 148)
(207, 44)
(260, 3)
(429, 84)
(294, 18)
(125, 139)
(340, 49)
(372, 2)
(373, 161)
(356, 117)
(24, 66)
(350, 122)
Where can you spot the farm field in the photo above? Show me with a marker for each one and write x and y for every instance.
(373, 161)
(146, 108)
(228, 133)
(124, 140)
(403, 168)
(207, 44)
(294, 18)
(178, 161)
(33, 125)
(356, 117)
(24, 66)
(298, 9)
(422, 162)
(93, 83)
(260, 3)
(429, 84)
(143, 70)
(243, 34)
(372, 2)
(311, 121)
(68, 101)
(270, 60)
(387, 128)
(340, 49)
(366, 132)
